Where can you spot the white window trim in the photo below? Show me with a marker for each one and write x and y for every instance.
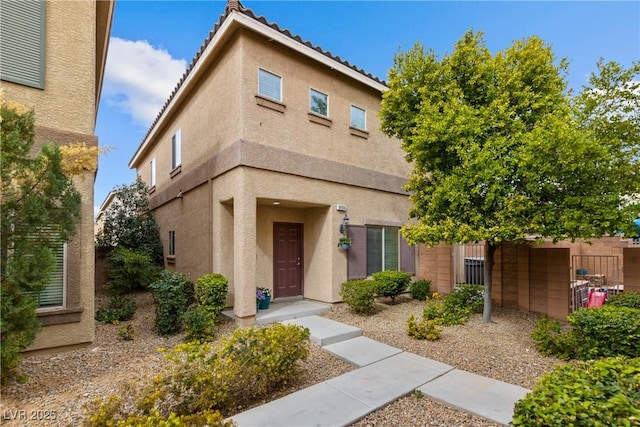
(176, 149)
(280, 79)
(152, 178)
(311, 90)
(64, 285)
(364, 113)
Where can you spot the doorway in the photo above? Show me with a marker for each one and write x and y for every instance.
(287, 259)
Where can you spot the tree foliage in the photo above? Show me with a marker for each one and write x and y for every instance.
(39, 210)
(129, 223)
(501, 152)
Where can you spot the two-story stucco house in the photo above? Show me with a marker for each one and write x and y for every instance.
(265, 145)
(52, 58)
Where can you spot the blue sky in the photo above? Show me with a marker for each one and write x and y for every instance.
(153, 41)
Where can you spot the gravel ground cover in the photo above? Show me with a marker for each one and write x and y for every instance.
(61, 384)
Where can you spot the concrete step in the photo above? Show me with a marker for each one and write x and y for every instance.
(326, 331)
(361, 351)
(486, 397)
(285, 310)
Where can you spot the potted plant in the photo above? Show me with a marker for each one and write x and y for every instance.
(263, 298)
(344, 243)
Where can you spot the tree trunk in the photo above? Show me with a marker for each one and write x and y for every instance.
(489, 251)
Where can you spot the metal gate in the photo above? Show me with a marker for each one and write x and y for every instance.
(593, 272)
(468, 264)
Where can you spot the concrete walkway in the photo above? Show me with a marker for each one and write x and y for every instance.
(384, 375)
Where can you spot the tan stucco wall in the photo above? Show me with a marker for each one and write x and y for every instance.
(239, 156)
(294, 131)
(68, 99)
(65, 112)
(80, 279)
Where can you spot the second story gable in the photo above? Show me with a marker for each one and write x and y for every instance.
(256, 84)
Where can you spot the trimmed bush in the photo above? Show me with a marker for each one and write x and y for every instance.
(199, 323)
(249, 365)
(211, 292)
(425, 330)
(359, 295)
(594, 333)
(456, 307)
(629, 299)
(469, 297)
(105, 415)
(420, 289)
(603, 392)
(120, 309)
(129, 270)
(173, 293)
(605, 331)
(391, 283)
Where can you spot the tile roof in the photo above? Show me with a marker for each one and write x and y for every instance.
(235, 5)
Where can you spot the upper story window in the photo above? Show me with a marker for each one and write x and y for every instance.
(319, 102)
(269, 85)
(358, 118)
(152, 173)
(172, 242)
(22, 45)
(176, 149)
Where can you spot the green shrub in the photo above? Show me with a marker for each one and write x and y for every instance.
(129, 270)
(199, 324)
(126, 333)
(603, 392)
(425, 330)
(105, 415)
(249, 365)
(269, 355)
(211, 292)
(629, 299)
(391, 283)
(359, 295)
(594, 333)
(469, 297)
(456, 307)
(420, 289)
(120, 309)
(549, 339)
(173, 293)
(605, 331)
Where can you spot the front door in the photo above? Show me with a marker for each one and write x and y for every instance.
(287, 260)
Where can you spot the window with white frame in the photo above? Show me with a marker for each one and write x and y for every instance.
(382, 249)
(319, 102)
(52, 295)
(152, 171)
(358, 119)
(269, 85)
(176, 149)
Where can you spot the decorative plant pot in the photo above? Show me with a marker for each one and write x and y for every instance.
(344, 246)
(264, 304)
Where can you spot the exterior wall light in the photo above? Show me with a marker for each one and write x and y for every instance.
(344, 225)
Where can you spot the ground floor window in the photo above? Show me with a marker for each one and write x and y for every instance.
(382, 249)
(53, 293)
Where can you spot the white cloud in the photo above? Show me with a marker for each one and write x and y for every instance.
(139, 78)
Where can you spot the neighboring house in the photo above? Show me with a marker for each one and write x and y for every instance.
(265, 145)
(111, 199)
(52, 57)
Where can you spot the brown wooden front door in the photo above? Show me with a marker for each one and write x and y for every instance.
(287, 260)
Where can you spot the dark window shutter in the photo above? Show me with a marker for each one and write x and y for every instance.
(22, 42)
(357, 253)
(407, 257)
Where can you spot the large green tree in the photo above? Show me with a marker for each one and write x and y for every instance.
(502, 152)
(129, 223)
(39, 209)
